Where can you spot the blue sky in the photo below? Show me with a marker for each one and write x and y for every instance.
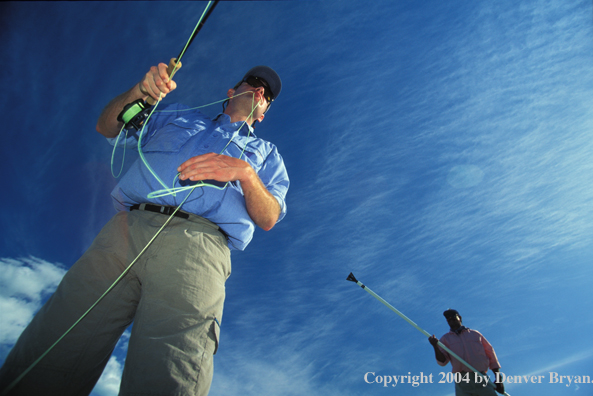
(441, 151)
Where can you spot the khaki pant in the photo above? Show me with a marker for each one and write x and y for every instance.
(173, 294)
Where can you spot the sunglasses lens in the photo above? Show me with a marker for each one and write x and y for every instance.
(256, 83)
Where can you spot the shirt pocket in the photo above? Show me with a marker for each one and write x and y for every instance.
(247, 153)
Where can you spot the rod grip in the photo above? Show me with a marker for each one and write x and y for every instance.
(171, 70)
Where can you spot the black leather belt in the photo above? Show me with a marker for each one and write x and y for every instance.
(166, 210)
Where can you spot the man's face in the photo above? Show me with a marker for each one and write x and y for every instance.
(454, 322)
(250, 99)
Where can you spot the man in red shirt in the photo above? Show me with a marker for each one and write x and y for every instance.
(472, 347)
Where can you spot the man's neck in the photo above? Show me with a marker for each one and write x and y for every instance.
(237, 116)
(458, 330)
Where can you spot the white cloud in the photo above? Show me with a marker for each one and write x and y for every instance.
(109, 382)
(24, 283)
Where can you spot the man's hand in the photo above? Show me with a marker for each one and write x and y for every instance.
(437, 351)
(433, 340)
(500, 387)
(154, 83)
(213, 166)
(157, 82)
(261, 205)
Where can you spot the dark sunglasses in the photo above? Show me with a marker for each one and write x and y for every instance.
(257, 82)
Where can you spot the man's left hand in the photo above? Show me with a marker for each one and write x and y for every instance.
(213, 166)
(499, 387)
(261, 205)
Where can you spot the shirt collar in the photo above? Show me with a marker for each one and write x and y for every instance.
(225, 119)
(459, 330)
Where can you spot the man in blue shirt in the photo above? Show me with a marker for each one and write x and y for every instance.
(174, 293)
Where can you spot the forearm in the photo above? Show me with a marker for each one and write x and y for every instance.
(108, 125)
(262, 206)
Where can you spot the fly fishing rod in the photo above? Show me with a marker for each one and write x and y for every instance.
(134, 114)
(351, 278)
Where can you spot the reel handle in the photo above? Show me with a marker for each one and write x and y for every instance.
(171, 70)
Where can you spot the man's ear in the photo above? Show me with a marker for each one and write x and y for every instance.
(230, 93)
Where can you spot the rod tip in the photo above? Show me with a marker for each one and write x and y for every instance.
(351, 278)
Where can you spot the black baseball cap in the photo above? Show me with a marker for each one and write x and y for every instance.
(450, 313)
(268, 74)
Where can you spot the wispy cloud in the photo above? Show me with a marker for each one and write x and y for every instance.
(577, 357)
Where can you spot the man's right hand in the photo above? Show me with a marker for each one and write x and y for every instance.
(157, 82)
(433, 340)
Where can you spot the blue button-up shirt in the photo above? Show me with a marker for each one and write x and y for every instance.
(174, 135)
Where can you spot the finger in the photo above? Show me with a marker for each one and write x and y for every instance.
(200, 171)
(161, 83)
(205, 173)
(195, 160)
(145, 84)
(157, 81)
(148, 85)
(196, 176)
(209, 170)
(163, 73)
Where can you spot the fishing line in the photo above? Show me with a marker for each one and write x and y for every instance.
(174, 190)
(123, 155)
(404, 317)
(123, 128)
(205, 14)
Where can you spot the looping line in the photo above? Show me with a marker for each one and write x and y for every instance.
(166, 190)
